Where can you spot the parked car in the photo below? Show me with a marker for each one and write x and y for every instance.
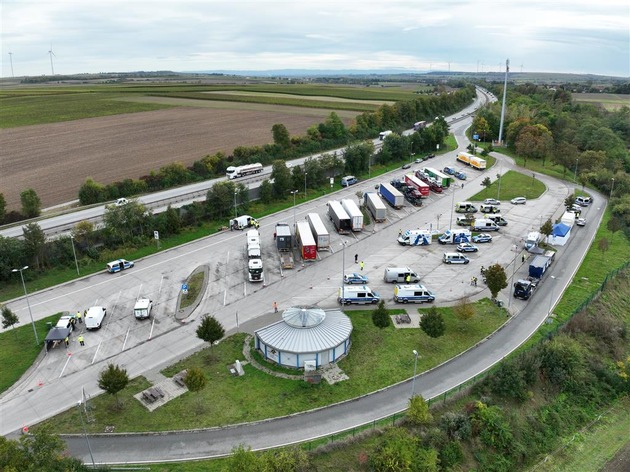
(583, 201)
(491, 201)
(119, 265)
(396, 184)
(430, 156)
(406, 166)
(67, 321)
(355, 278)
(449, 170)
(348, 180)
(460, 175)
(518, 201)
(418, 160)
(467, 247)
(482, 238)
(580, 222)
(121, 202)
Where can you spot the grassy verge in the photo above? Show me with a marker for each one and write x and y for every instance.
(194, 286)
(377, 358)
(513, 184)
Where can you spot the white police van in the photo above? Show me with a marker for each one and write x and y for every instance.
(413, 294)
(118, 265)
(358, 294)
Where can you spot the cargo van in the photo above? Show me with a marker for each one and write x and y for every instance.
(142, 308)
(463, 221)
(413, 294)
(359, 294)
(383, 134)
(399, 275)
(454, 258)
(483, 224)
(498, 219)
(486, 208)
(94, 317)
(465, 207)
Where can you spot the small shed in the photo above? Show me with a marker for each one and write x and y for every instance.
(56, 336)
(305, 334)
(560, 234)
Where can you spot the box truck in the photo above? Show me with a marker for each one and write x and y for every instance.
(415, 182)
(353, 211)
(306, 242)
(464, 157)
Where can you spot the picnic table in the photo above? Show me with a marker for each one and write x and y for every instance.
(403, 319)
(152, 394)
(179, 378)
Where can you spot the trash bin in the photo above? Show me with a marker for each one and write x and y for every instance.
(49, 325)
(500, 303)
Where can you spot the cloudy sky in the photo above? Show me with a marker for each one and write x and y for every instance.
(574, 36)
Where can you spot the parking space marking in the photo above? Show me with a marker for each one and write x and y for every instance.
(65, 364)
(152, 325)
(125, 341)
(96, 352)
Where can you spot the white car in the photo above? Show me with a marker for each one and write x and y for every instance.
(518, 201)
(491, 201)
(580, 222)
(121, 202)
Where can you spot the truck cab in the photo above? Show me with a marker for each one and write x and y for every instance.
(523, 289)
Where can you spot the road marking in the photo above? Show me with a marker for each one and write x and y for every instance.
(126, 337)
(97, 349)
(152, 325)
(65, 364)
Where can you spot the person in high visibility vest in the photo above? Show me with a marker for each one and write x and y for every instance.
(79, 317)
(80, 339)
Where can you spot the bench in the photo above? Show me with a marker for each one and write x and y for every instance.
(403, 319)
(152, 394)
(179, 378)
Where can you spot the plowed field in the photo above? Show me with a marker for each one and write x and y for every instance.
(55, 159)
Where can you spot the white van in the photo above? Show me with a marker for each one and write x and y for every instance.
(94, 317)
(399, 275)
(413, 293)
(583, 201)
(498, 219)
(487, 208)
(454, 258)
(142, 308)
(359, 294)
(465, 207)
(483, 224)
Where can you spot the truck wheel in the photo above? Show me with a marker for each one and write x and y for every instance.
(404, 300)
(347, 302)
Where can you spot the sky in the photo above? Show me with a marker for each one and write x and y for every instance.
(90, 36)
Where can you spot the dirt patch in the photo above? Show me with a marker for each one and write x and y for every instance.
(55, 159)
(619, 463)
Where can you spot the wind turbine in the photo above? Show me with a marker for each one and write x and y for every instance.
(11, 61)
(51, 54)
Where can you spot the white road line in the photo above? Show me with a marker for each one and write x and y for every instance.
(152, 325)
(125, 342)
(66, 364)
(96, 353)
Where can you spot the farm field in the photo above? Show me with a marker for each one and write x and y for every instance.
(610, 101)
(54, 159)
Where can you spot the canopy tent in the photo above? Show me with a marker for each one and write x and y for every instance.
(55, 336)
(560, 235)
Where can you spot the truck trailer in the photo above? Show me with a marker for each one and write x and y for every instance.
(339, 217)
(353, 211)
(233, 172)
(376, 206)
(477, 163)
(422, 187)
(524, 288)
(305, 240)
(320, 233)
(464, 157)
(284, 244)
(441, 178)
(392, 196)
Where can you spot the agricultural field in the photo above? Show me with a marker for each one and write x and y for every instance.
(610, 101)
(54, 137)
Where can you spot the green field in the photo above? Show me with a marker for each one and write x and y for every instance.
(513, 184)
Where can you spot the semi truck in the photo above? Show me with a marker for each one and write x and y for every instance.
(477, 163)
(419, 185)
(464, 157)
(524, 288)
(415, 237)
(339, 217)
(234, 172)
(455, 236)
(383, 134)
(305, 240)
(255, 270)
(353, 211)
(320, 233)
(284, 244)
(392, 196)
(441, 178)
(375, 206)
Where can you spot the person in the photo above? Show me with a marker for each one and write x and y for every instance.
(462, 185)
(274, 235)
(400, 232)
(356, 258)
(80, 339)
(408, 278)
(361, 265)
(483, 270)
(475, 281)
(523, 258)
(472, 281)
(79, 317)
(67, 341)
(275, 307)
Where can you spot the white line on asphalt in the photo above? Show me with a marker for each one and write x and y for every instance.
(152, 325)
(97, 349)
(66, 364)
(125, 342)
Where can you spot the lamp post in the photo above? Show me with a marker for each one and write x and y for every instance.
(415, 365)
(343, 268)
(450, 226)
(437, 228)
(575, 172)
(235, 214)
(551, 297)
(294, 192)
(85, 434)
(27, 302)
(510, 296)
(305, 174)
(76, 262)
(499, 189)
(612, 186)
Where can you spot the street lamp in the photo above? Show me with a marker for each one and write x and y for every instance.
(294, 192)
(343, 268)
(551, 297)
(575, 173)
(499, 190)
(437, 228)
(235, 214)
(415, 365)
(85, 433)
(305, 174)
(76, 262)
(450, 226)
(612, 186)
(510, 296)
(27, 302)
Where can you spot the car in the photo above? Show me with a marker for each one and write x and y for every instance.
(406, 166)
(449, 170)
(430, 156)
(121, 202)
(418, 160)
(460, 175)
(518, 201)
(67, 321)
(580, 222)
(348, 180)
(583, 201)
(397, 184)
(491, 201)
(482, 238)
(355, 278)
(467, 247)
(119, 265)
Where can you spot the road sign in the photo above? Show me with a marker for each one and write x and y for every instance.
(156, 234)
(184, 289)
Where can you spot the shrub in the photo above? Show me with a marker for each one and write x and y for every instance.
(380, 316)
(432, 323)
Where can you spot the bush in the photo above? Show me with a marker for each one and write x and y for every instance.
(380, 316)
(432, 323)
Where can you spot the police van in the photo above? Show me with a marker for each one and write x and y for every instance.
(119, 265)
(359, 294)
(400, 274)
(413, 294)
(498, 219)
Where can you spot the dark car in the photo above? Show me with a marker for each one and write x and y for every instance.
(460, 175)
(449, 170)
(430, 156)
(397, 184)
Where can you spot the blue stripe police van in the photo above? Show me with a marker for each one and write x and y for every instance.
(359, 294)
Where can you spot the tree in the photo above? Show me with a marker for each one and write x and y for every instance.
(432, 323)
(464, 310)
(3, 208)
(266, 192)
(281, 177)
(481, 127)
(34, 241)
(92, 192)
(173, 221)
(496, 279)
(486, 183)
(210, 330)
(243, 459)
(113, 379)
(123, 223)
(281, 136)
(418, 412)
(195, 381)
(613, 225)
(380, 317)
(31, 204)
(603, 245)
(220, 200)
(9, 319)
(547, 228)
(534, 141)
(569, 201)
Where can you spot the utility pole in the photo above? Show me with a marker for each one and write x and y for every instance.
(507, 69)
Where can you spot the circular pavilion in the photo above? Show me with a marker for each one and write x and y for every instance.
(305, 334)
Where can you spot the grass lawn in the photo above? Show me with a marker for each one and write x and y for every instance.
(194, 286)
(513, 184)
(377, 358)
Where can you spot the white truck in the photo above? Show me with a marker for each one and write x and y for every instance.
(415, 237)
(142, 308)
(233, 172)
(356, 217)
(255, 270)
(94, 317)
